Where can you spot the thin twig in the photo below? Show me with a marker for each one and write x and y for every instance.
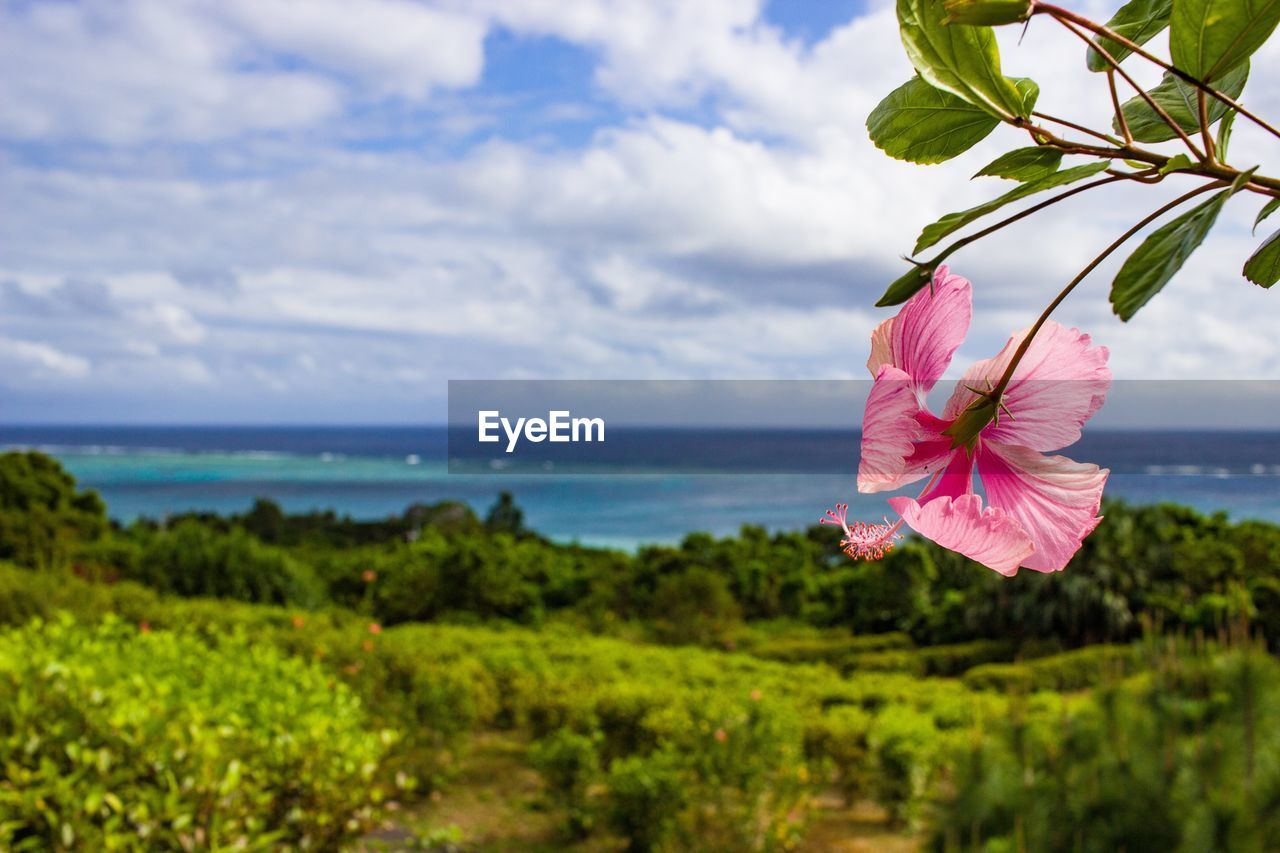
(1202, 102)
(1071, 124)
(1160, 111)
(1260, 184)
(1115, 102)
(1066, 291)
(1035, 208)
(1137, 49)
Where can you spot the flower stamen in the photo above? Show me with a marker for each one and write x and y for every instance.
(863, 540)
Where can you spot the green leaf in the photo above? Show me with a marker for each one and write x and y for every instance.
(1179, 100)
(1208, 38)
(1176, 163)
(907, 285)
(961, 60)
(1263, 267)
(1242, 178)
(1028, 90)
(1162, 254)
(1139, 21)
(919, 123)
(955, 221)
(1023, 164)
(986, 12)
(1268, 209)
(1224, 133)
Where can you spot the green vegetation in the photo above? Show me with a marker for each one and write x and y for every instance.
(111, 737)
(707, 696)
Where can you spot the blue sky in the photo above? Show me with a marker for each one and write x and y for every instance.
(321, 211)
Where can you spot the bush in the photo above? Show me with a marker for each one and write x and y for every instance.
(111, 736)
(904, 744)
(837, 649)
(569, 765)
(1074, 670)
(892, 660)
(840, 737)
(958, 658)
(195, 560)
(646, 793)
(43, 519)
(1181, 757)
(695, 607)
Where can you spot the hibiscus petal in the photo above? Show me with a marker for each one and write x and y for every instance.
(1054, 498)
(900, 442)
(1058, 385)
(961, 524)
(925, 334)
(956, 479)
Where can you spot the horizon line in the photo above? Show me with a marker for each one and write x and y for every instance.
(438, 425)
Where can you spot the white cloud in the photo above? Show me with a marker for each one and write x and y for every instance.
(33, 360)
(394, 46)
(748, 244)
(127, 71)
(137, 70)
(172, 322)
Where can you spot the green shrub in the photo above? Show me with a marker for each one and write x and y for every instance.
(694, 607)
(43, 519)
(111, 736)
(569, 764)
(622, 712)
(1074, 670)
(724, 741)
(958, 658)
(1083, 668)
(646, 793)
(904, 744)
(833, 649)
(195, 560)
(27, 595)
(840, 737)
(891, 660)
(745, 761)
(1001, 677)
(1181, 757)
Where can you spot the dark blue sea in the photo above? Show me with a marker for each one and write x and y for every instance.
(653, 485)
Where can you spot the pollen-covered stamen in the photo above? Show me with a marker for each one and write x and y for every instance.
(863, 541)
(837, 517)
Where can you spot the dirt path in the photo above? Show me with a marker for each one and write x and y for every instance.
(861, 829)
(495, 805)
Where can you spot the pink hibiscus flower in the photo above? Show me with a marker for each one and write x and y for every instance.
(1040, 507)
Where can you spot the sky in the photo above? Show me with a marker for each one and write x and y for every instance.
(267, 211)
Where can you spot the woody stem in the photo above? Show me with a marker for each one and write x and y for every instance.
(1069, 23)
(1098, 29)
(1066, 291)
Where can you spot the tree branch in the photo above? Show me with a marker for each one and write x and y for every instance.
(1202, 103)
(1137, 49)
(1062, 121)
(1142, 93)
(1066, 291)
(1112, 178)
(1115, 103)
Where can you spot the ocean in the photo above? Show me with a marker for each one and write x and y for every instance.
(654, 487)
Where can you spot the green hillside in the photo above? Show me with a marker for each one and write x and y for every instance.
(439, 681)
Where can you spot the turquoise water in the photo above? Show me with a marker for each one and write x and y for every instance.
(370, 473)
